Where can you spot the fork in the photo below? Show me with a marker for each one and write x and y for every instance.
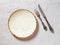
(38, 15)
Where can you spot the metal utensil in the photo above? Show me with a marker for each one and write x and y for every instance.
(38, 15)
(40, 9)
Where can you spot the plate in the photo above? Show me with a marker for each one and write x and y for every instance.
(23, 24)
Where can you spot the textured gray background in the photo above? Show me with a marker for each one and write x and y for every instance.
(52, 11)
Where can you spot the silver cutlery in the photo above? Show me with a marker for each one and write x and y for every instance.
(38, 15)
(41, 11)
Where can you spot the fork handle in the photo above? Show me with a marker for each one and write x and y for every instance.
(45, 28)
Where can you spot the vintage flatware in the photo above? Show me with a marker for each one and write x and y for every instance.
(38, 15)
(41, 11)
